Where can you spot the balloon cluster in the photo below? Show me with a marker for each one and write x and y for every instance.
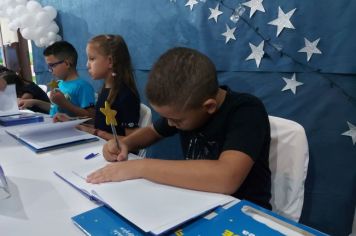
(34, 21)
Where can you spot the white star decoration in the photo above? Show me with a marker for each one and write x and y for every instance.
(351, 132)
(310, 48)
(257, 53)
(215, 13)
(291, 84)
(191, 3)
(283, 20)
(255, 5)
(229, 34)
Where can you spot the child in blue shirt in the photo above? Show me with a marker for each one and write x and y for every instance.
(74, 96)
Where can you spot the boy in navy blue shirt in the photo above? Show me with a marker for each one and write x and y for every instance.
(225, 136)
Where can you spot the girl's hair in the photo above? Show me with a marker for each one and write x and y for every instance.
(115, 46)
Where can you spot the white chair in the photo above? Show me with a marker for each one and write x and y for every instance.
(288, 161)
(43, 87)
(145, 120)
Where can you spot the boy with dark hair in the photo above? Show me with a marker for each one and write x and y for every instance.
(75, 96)
(225, 136)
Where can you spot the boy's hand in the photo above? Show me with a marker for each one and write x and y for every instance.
(61, 117)
(112, 153)
(118, 171)
(25, 103)
(57, 97)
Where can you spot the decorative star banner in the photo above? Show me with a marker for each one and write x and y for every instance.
(257, 53)
(215, 13)
(229, 34)
(310, 48)
(283, 20)
(254, 5)
(291, 84)
(351, 132)
(191, 4)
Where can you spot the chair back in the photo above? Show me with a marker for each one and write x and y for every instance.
(145, 120)
(288, 161)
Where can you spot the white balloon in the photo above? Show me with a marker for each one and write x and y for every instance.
(27, 20)
(12, 26)
(9, 12)
(21, 2)
(58, 37)
(39, 32)
(51, 36)
(51, 11)
(53, 27)
(44, 41)
(33, 6)
(42, 18)
(20, 10)
(39, 44)
(25, 32)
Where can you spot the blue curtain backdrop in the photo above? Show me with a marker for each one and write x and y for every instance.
(323, 104)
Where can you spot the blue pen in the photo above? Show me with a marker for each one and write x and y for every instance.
(91, 155)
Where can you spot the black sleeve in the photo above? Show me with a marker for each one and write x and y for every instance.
(36, 92)
(248, 131)
(163, 129)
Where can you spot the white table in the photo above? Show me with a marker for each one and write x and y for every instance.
(40, 202)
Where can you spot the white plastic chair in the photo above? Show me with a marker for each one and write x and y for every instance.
(145, 120)
(43, 87)
(288, 161)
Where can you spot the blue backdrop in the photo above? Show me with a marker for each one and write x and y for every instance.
(323, 104)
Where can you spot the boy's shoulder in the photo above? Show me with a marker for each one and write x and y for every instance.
(241, 99)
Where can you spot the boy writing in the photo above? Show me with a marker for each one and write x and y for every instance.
(225, 136)
(75, 96)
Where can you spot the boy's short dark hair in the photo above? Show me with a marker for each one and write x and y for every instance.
(63, 51)
(183, 78)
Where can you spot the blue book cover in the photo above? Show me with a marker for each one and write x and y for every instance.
(104, 221)
(244, 218)
(20, 119)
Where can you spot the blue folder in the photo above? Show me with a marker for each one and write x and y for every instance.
(222, 221)
(20, 119)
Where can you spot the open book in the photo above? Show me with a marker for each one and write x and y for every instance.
(152, 207)
(47, 136)
(8, 104)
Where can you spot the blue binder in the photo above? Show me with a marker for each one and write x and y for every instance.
(229, 221)
(104, 221)
(20, 119)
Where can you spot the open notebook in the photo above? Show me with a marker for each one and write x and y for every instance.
(152, 207)
(47, 136)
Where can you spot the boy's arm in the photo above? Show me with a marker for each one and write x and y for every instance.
(224, 175)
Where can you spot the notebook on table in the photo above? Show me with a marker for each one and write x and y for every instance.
(151, 207)
(8, 104)
(41, 137)
(20, 119)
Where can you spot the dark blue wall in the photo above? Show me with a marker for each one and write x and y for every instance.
(323, 104)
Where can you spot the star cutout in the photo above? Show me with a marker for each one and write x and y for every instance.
(283, 20)
(53, 84)
(351, 132)
(310, 48)
(109, 114)
(191, 3)
(257, 53)
(229, 34)
(215, 13)
(255, 5)
(291, 84)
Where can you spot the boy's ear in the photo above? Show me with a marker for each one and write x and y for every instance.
(210, 105)
(110, 61)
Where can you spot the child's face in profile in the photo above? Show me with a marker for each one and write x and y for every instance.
(99, 66)
(59, 68)
(189, 119)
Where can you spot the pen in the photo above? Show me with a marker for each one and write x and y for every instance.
(91, 155)
(115, 136)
